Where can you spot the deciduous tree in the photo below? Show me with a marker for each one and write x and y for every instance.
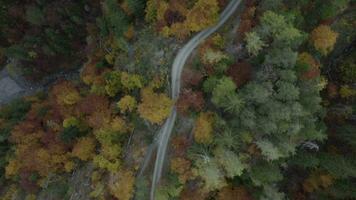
(323, 39)
(203, 131)
(254, 44)
(127, 104)
(121, 184)
(84, 149)
(65, 93)
(189, 99)
(154, 107)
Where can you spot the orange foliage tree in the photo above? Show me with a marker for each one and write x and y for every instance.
(234, 193)
(317, 180)
(65, 93)
(182, 167)
(38, 150)
(95, 109)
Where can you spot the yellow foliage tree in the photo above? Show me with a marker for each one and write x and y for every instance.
(110, 150)
(347, 91)
(37, 150)
(323, 39)
(69, 166)
(84, 149)
(112, 83)
(203, 130)
(70, 121)
(203, 14)
(121, 185)
(131, 81)
(12, 168)
(155, 107)
(127, 104)
(119, 125)
(103, 163)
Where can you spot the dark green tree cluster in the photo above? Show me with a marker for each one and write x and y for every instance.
(328, 170)
(260, 126)
(309, 13)
(45, 36)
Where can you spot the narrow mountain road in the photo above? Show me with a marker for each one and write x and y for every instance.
(177, 67)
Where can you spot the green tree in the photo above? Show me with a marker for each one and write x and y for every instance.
(265, 173)
(210, 172)
(137, 7)
(225, 87)
(229, 161)
(115, 20)
(254, 43)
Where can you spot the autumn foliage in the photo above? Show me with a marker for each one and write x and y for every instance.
(38, 151)
(65, 93)
(189, 99)
(312, 66)
(182, 167)
(317, 180)
(121, 185)
(154, 107)
(127, 104)
(323, 39)
(203, 130)
(84, 149)
(240, 73)
(176, 18)
(191, 77)
(234, 193)
(248, 19)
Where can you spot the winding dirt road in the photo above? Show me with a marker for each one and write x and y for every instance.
(177, 67)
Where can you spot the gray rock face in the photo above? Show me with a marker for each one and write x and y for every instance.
(8, 89)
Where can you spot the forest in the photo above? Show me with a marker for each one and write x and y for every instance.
(262, 108)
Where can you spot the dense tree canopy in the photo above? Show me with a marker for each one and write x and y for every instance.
(266, 108)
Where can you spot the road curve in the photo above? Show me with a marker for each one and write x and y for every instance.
(177, 67)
